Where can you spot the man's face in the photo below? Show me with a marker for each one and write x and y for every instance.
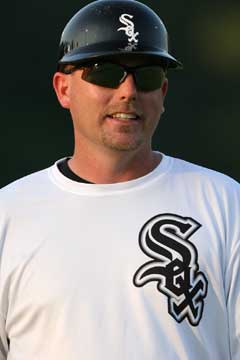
(122, 119)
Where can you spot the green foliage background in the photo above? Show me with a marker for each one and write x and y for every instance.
(201, 122)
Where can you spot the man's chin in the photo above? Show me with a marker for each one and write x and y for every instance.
(122, 146)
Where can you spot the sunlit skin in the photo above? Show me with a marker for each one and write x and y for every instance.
(110, 150)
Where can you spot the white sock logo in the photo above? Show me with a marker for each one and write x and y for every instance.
(173, 265)
(129, 28)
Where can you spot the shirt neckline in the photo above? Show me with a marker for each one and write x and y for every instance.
(72, 186)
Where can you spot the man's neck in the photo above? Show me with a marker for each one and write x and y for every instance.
(102, 168)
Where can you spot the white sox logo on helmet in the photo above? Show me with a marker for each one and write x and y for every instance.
(129, 30)
(174, 265)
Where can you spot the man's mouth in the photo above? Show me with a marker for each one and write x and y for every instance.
(124, 116)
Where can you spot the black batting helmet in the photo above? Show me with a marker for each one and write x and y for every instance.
(108, 29)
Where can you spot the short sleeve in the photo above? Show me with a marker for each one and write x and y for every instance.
(233, 274)
(3, 340)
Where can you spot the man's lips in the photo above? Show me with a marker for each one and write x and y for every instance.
(124, 116)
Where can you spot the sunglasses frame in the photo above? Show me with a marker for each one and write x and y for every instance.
(87, 68)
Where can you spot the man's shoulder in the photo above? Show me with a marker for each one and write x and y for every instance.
(199, 174)
(24, 187)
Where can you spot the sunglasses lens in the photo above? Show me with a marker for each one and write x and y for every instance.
(149, 78)
(106, 74)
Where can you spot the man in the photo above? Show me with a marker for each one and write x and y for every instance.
(119, 252)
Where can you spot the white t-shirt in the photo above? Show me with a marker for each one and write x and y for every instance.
(147, 269)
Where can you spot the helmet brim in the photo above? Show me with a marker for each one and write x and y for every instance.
(153, 56)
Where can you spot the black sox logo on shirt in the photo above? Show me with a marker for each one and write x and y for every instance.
(165, 239)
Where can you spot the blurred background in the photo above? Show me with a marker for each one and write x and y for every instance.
(201, 122)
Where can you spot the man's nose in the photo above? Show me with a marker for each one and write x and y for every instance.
(128, 89)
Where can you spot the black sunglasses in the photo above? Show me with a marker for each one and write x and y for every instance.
(111, 75)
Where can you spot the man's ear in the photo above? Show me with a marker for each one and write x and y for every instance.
(61, 86)
(165, 87)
